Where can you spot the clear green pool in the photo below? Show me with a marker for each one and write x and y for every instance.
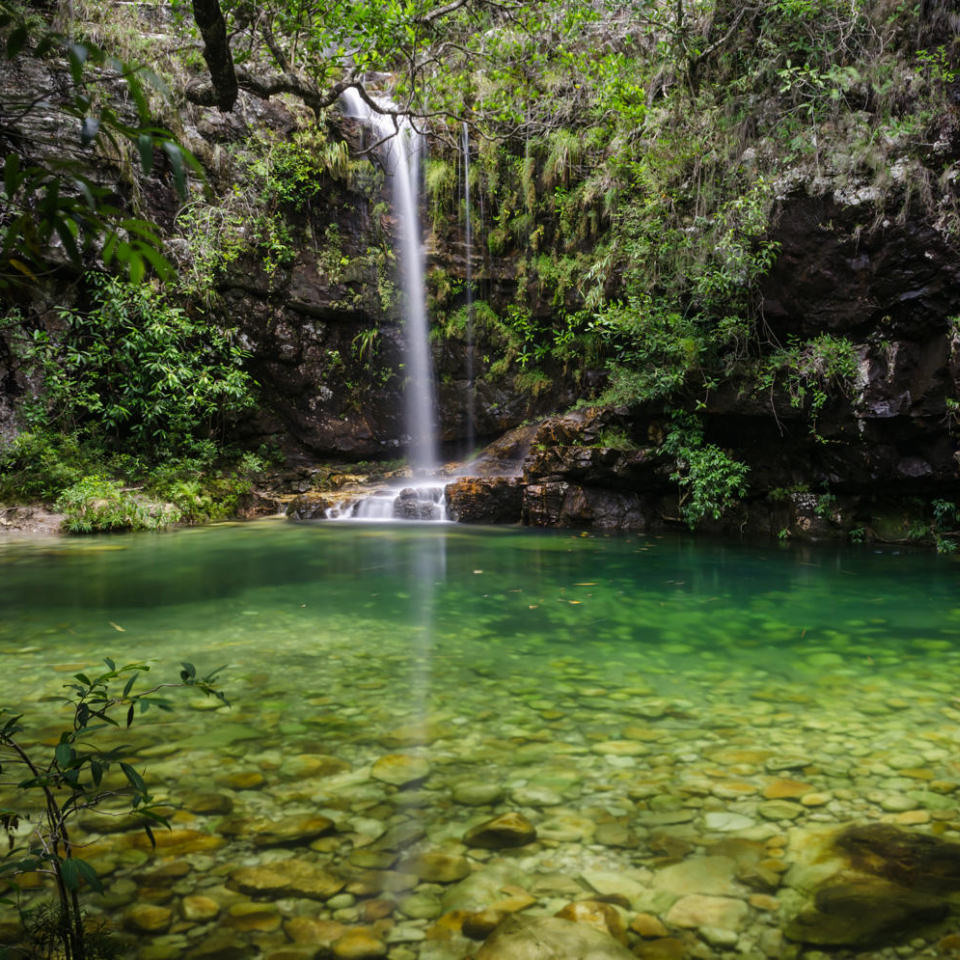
(501, 657)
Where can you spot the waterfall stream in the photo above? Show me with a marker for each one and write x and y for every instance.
(423, 499)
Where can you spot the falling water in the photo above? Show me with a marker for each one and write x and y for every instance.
(402, 158)
(471, 412)
(424, 500)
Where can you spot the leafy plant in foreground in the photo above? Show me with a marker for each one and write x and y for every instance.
(71, 779)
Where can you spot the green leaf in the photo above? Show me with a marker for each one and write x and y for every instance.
(70, 871)
(130, 715)
(128, 686)
(63, 754)
(110, 663)
(145, 146)
(175, 156)
(89, 874)
(188, 673)
(136, 781)
(83, 678)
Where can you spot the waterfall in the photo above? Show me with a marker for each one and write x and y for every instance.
(423, 500)
(402, 160)
(471, 428)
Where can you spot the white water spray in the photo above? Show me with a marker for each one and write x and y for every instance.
(402, 159)
(423, 500)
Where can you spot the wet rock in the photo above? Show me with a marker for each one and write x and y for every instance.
(206, 804)
(666, 948)
(147, 918)
(598, 915)
(779, 810)
(437, 867)
(486, 888)
(400, 769)
(549, 938)
(309, 506)
(309, 930)
(219, 946)
(244, 780)
(724, 822)
(864, 912)
(253, 917)
(479, 925)
(507, 830)
(477, 794)
(199, 909)
(291, 831)
(711, 875)
(696, 910)
(359, 944)
(915, 860)
(630, 885)
(786, 790)
(648, 926)
(288, 878)
(485, 500)
(420, 906)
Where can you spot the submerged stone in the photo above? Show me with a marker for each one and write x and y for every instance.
(863, 913)
(508, 830)
(696, 910)
(400, 769)
(549, 938)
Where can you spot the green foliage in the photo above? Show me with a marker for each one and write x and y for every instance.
(97, 504)
(710, 480)
(55, 785)
(59, 201)
(135, 373)
(810, 371)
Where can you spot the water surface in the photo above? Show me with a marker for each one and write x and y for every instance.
(613, 688)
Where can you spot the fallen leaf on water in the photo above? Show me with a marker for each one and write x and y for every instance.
(116, 627)
(588, 583)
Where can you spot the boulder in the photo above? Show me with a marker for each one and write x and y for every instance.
(485, 500)
(549, 938)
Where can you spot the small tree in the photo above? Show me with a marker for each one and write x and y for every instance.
(70, 780)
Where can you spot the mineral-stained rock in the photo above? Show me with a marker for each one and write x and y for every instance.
(485, 500)
(309, 506)
(549, 938)
(437, 867)
(292, 831)
(147, 918)
(700, 911)
(359, 944)
(601, 916)
(916, 860)
(863, 912)
(287, 878)
(400, 769)
(508, 830)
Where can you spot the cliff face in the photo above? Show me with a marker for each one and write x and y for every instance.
(319, 313)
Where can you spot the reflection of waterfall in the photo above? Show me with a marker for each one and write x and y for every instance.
(471, 429)
(402, 159)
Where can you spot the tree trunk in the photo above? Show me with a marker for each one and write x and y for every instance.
(216, 51)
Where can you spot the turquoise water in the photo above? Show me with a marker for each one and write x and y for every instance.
(498, 656)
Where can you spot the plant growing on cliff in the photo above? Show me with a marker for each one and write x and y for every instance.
(710, 480)
(53, 205)
(136, 372)
(53, 788)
